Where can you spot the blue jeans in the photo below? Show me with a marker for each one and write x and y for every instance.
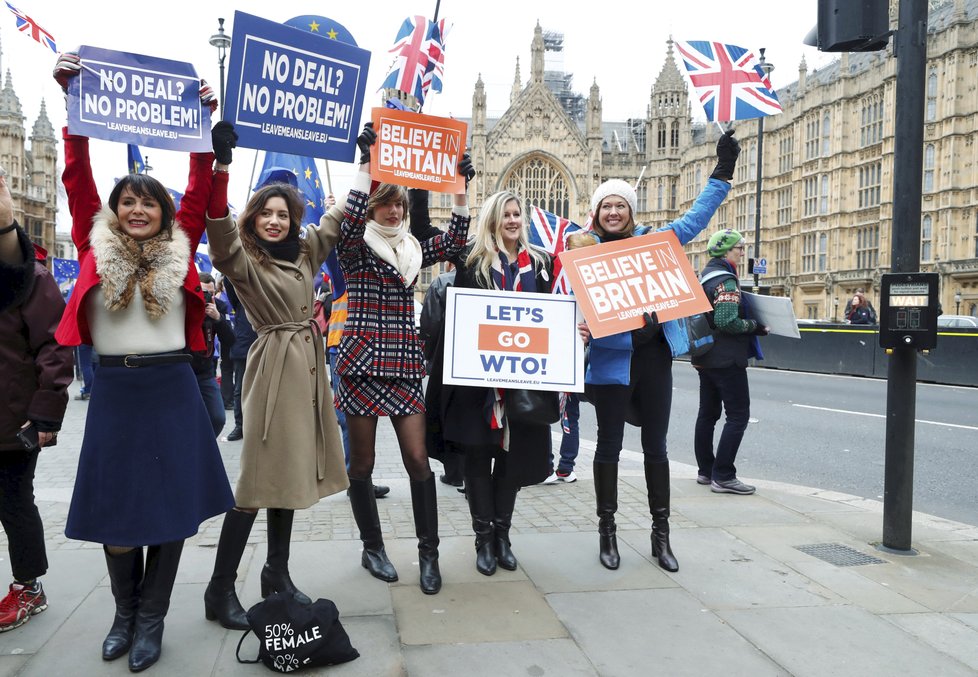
(340, 416)
(570, 443)
(211, 394)
(725, 389)
(83, 356)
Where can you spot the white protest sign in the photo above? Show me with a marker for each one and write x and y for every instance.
(774, 312)
(512, 340)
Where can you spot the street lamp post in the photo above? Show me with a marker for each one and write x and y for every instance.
(957, 302)
(767, 68)
(222, 41)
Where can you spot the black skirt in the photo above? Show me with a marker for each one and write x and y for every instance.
(150, 470)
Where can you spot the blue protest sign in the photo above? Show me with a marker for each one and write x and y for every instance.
(138, 99)
(291, 91)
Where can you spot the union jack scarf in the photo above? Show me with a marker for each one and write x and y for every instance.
(508, 277)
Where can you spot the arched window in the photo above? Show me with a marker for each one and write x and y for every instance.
(674, 140)
(826, 135)
(929, 156)
(542, 184)
(932, 95)
(662, 135)
(926, 234)
(699, 179)
(659, 197)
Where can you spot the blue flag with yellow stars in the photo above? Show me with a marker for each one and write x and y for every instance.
(136, 164)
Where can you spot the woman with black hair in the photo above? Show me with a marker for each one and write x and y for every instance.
(138, 301)
(291, 455)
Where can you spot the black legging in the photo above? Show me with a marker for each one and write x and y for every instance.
(410, 431)
(651, 377)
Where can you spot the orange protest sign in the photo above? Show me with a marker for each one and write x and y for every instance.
(616, 282)
(417, 151)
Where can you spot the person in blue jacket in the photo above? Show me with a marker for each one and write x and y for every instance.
(634, 368)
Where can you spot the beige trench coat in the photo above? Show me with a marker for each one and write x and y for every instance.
(292, 454)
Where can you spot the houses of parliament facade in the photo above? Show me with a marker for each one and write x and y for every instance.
(827, 194)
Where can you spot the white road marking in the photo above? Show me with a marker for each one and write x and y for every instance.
(863, 413)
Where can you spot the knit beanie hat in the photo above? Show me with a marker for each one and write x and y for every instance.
(615, 187)
(723, 241)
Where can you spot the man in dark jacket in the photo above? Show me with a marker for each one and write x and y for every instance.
(723, 370)
(37, 372)
(204, 364)
(244, 336)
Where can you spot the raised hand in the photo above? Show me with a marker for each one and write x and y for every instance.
(367, 138)
(223, 139)
(728, 149)
(68, 66)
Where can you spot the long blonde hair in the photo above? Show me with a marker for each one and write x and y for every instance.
(487, 242)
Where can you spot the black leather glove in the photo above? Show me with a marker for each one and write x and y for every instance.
(367, 138)
(466, 169)
(223, 139)
(643, 335)
(728, 148)
(67, 67)
(761, 330)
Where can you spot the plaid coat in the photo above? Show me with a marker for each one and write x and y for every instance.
(380, 337)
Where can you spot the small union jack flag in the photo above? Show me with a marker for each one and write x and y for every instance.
(549, 231)
(420, 61)
(25, 24)
(729, 81)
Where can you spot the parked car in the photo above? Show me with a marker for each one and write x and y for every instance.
(957, 322)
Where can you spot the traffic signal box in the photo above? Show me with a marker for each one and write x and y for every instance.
(908, 310)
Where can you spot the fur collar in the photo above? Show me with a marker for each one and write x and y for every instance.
(17, 282)
(158, 265)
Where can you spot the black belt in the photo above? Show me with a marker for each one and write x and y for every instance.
(134, 361)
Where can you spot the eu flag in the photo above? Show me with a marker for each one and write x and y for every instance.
(136, 164)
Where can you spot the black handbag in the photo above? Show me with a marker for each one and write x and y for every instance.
(532, 406)
(294, 636)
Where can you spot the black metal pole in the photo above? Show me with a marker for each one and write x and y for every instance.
(757, 191)
(901, 390)
(437, 7)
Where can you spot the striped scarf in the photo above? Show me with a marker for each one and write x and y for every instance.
(508, 277)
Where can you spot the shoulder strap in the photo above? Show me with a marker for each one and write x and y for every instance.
(237, 653)
(716, 273)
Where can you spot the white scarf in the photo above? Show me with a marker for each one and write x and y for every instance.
(396, 246)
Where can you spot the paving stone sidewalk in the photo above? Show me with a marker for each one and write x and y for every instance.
(785, 582)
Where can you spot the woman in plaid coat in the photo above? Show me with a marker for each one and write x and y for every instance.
(379, 363)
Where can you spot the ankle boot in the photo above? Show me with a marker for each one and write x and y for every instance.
(125, 575)
(275, 574)
(364, 504)
(606, 494)
(154, 601)
(478, 490)
(504, 499)
(220, 600)
(657, 483)
(424, 502)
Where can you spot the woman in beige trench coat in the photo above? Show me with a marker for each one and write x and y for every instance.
(292, 455)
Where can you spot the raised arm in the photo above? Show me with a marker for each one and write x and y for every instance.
(446, 246)
(201, 182)
(692, 223)
(83, 199)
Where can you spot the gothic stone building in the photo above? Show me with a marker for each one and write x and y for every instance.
(31, 174)
(826, 207)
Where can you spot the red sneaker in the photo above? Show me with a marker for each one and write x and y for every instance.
(20, 604)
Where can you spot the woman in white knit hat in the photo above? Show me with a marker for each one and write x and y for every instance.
(635, 368)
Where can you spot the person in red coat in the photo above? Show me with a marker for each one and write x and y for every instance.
(37, 372)
(379, 364)
(149, 470)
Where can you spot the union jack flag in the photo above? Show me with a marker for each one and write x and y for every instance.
(420, 58)
(729, 81)
(549, 231)
(25, 24)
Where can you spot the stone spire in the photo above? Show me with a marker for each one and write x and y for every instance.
(670, 79)
(593, 122)
(536, 50)
(802, 76)
(9, 103)
(43, 129)
(517, 84)
(479, 107)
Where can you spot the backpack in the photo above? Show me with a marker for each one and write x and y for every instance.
(699, 327)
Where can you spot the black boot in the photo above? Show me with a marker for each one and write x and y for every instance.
(275, 574)
(606, 493)
(364, 504)
(657, 483)
(220, 600)
(504, 499)
(424, 502)
(154, 601)
(125, 575)
(479, 492)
